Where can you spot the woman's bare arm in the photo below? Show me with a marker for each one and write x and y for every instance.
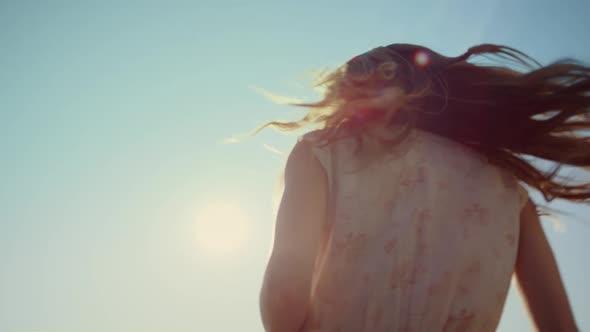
(286, 290)
(539, 279)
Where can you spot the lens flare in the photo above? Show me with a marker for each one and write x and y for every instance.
(421, 59)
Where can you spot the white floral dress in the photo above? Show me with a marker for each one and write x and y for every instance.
(422, 237)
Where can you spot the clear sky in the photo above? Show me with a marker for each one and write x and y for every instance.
(120, 208)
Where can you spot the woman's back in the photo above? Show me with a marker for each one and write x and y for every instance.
(420, 238)
(426, 236)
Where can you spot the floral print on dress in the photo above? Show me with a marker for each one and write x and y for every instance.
(511, 239)
(413, 241)
(459, 322)
(476, 211)
(352, 247)
(413, 178)
(390, 245)
(473, 268)
(402, 276)
(443, 185)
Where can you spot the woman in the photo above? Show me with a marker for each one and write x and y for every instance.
(404, 211)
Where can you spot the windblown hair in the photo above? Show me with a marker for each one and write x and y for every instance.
(506, 113)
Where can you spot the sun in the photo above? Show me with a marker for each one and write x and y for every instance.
(222, 228)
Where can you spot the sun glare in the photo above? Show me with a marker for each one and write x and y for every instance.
(222, 228)
(422, 58)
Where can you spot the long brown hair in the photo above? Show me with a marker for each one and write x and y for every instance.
(508, 112)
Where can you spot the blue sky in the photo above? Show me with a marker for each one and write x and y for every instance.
(112, 116)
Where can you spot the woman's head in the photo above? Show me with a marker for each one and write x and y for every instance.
(410, 68)
(416, 83)
(498, 110)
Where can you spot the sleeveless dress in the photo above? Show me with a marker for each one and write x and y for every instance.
(421, 237)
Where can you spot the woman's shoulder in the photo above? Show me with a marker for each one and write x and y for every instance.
(328, 137)
(313, 136)
(324, 135)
